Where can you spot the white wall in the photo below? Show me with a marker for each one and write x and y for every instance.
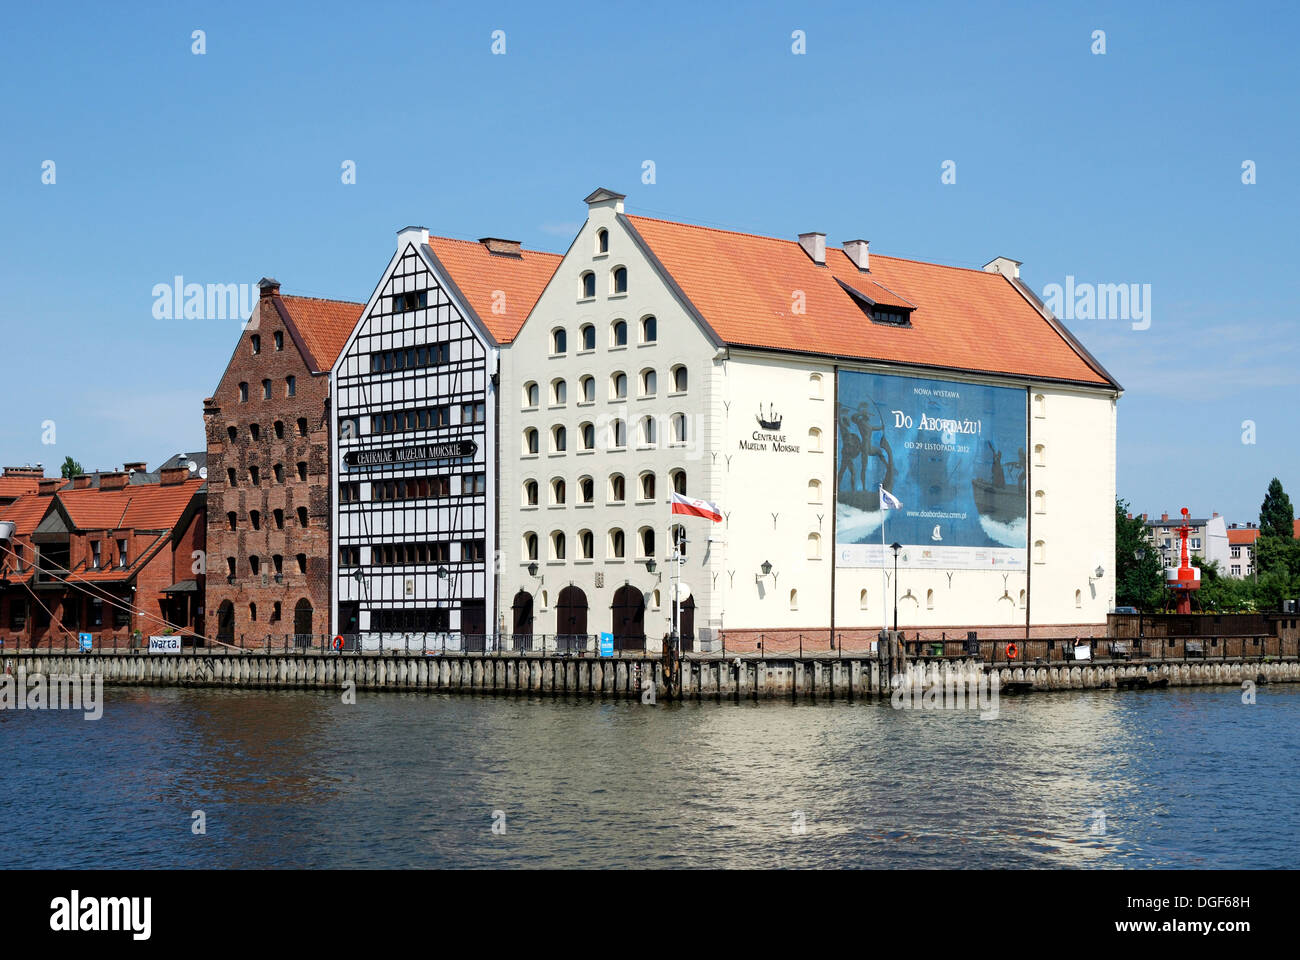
(680, 341)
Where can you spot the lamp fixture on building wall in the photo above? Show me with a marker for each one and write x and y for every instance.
(532, 569)
(766, 569)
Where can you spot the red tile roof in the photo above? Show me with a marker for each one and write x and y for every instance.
(324, 326)
(1242, 536)
(480, 275)
(149, 506)
(16, 486)
(26, 512)
(744, 286)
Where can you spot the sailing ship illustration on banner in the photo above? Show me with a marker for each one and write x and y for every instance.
(953, 452)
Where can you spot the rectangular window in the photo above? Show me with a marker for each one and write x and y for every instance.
(474, 483)
(94, 555)
(472, 550)
(421, 418)
(17, 613)
(473, 412)
(96, 612)
(410, 620)
(121, 616)
(121, 554)
(404, 554)
(414, 300)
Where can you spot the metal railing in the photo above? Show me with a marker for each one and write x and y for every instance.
(812, 645)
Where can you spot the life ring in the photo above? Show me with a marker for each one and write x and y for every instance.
(1012, 651)
(338, 642)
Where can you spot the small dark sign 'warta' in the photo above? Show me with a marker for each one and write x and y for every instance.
(389, 456)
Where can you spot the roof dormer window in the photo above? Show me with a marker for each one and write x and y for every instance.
(894, 315)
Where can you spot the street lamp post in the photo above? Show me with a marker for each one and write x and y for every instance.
(678, 558)
(1140, 554)
(896, 546)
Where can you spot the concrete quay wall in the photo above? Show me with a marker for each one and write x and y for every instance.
(703, 677)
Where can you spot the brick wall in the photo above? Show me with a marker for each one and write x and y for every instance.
(223, 411)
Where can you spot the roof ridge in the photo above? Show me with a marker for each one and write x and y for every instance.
(763, 236)
(300, 296)
(475, 243)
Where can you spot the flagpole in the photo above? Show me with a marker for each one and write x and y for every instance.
(884, 584)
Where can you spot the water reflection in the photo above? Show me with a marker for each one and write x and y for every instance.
(1184, 778)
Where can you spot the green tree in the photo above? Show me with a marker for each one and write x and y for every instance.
(1220, 593)
(70, 468)
(1276, 517)
(1277, 558)
(1139, 579)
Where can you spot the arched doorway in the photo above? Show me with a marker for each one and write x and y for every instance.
(570, 616)
(687, 625)
(302, 622)
(628, 618)
(522, 610)
(226, 622)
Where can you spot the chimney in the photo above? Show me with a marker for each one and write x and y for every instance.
(814, 244)
(46, 486)
(1144, 517)
(505, 248)
(1005, 266)
(115, 480)
(173, 475)
(135, 466)
(1164, 517)
(268, 287)
(418, 236)
(36, 472)
(856, 250)
(81, 481)
(1130, 516)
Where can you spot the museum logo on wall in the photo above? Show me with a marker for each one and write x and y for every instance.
(768, 436)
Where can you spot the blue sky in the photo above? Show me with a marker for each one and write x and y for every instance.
(1117, 168)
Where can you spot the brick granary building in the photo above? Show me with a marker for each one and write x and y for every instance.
(268, 470)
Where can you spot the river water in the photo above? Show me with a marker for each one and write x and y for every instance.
(1189, 778)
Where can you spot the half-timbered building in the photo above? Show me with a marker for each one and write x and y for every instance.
(415, 456)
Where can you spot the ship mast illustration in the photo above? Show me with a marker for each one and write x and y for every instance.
(773, 421)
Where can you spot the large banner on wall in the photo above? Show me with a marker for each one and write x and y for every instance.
(953, 453)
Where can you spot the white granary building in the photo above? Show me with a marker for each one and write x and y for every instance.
(787, 382)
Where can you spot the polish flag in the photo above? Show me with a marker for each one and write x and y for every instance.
(696, 508)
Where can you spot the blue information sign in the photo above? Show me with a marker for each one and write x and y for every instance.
(87, 641)
(606, 644)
